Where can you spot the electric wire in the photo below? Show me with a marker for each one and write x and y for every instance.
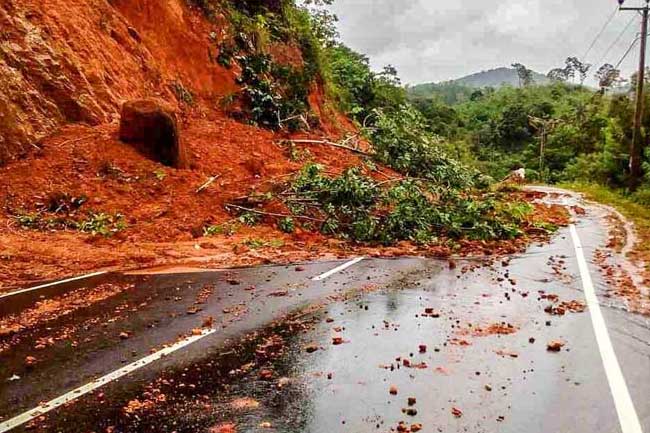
(627, 52)
(600, 33)
(616, 41)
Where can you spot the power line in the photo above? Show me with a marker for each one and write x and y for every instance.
(609, 20)
(627, 52)
(616, 41)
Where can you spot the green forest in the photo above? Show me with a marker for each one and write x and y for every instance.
(587, 131)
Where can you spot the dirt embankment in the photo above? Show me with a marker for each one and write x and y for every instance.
(65, 69)
(76, 61)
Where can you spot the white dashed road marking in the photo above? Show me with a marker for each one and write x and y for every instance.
(337, 269)
(110, 377)
(627, 415)
(54, 283)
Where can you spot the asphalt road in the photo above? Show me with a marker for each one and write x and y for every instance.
(278, 349)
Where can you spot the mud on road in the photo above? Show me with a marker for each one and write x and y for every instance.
(407, 344)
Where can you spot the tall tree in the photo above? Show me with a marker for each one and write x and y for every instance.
(608, 76)
(575, 66)
(558, 75)
(525, 75)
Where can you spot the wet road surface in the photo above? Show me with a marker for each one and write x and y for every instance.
(383, 345)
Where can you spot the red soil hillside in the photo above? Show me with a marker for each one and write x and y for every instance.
(66, 68)
(78, 60)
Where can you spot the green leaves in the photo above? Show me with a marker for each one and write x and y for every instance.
(402, 141)
(287, 225)
(356, 207)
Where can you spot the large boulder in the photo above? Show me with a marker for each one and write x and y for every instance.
(150, 125)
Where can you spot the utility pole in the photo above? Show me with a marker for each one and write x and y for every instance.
(543, 128)
(636, 148)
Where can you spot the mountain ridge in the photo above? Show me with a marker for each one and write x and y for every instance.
(496, 77)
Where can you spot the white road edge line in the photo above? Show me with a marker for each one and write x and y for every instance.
(338, 269)
(110, 377)
(54, 283)
(627, 415)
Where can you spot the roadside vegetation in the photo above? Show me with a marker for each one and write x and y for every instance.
(437, 196)
(588, 131)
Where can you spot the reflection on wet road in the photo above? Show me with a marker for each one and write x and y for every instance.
(384, 345)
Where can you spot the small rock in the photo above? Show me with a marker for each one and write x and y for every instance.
(208, 322)
(311, 348)
(410, 411)
(555, 346)
(223, 428)
(416, 427)
(392, 390)
(456, 412)
(266, 374)
(411, 401)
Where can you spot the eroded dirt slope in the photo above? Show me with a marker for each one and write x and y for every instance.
(67, 61)
(65, 69)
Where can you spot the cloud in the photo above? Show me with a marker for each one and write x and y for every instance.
(434, 40)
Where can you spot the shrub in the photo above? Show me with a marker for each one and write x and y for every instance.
(287, 225)
(354, 206)
(401, 141)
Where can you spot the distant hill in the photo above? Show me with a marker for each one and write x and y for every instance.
(497, 78)
(459, 90)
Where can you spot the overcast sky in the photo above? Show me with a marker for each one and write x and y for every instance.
(435, 40)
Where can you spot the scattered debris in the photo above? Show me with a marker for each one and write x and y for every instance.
(244, 403)
(208, 322)
(223, 428)
(209, 182)
(266, 374)
(555, 346)
(410, 411)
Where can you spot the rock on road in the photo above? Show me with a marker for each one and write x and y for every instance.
(410, 344)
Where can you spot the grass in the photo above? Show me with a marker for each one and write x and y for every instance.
(634, 211)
